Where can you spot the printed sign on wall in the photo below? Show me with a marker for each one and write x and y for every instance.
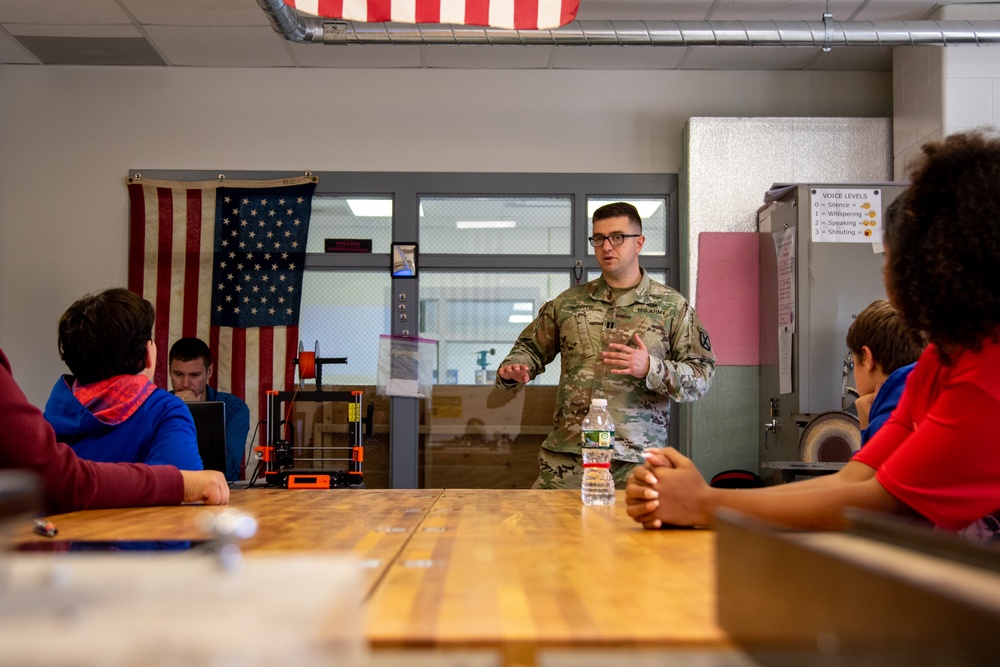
(846, 215)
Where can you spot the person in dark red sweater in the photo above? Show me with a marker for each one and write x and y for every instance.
(70, 483)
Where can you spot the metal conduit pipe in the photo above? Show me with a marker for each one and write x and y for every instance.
(678, 33)
(290, 24)
(824, 34)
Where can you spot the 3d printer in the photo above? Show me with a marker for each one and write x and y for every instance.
(280, 455)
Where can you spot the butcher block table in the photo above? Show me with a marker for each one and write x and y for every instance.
(515, 573)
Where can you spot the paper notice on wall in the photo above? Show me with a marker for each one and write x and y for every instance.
(846, 215)
(784, 360)
(784, 250)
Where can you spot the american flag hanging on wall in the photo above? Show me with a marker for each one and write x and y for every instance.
(223, 261)
(510, 14)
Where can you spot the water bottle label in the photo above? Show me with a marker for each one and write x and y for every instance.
(600, 439)
(606, 466)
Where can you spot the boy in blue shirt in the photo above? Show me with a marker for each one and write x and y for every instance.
(109, 409)
(884, 353)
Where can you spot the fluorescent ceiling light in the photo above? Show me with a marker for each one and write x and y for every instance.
(523, 305)
(519, 319)
(371, 208)
(646, 207)
(485, 224)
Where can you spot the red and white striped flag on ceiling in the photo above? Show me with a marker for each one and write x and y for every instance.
(223, 261)
(510, 14)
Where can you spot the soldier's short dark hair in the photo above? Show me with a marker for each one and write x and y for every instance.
(616, 210)
(105, 334)
(892, 343)
(189, 349)
(943, 246)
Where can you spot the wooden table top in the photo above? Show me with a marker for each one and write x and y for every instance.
(370, 524)
(538, 567)
(474, 568)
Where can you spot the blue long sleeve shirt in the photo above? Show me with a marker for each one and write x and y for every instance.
(160, 431)
(886, 401)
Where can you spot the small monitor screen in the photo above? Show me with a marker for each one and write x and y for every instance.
(404, 260)
(210, 423)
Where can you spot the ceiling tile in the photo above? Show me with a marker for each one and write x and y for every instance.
(644, 10)
(35, 30)
(13, 52)
(895, 10)
(62, 11)
(91, 50)
(973, 11)
(197, 12)
(220, 47)
(778, 10)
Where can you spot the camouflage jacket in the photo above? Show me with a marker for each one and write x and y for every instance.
(578, 325)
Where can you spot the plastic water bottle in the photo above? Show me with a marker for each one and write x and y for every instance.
(598, 434)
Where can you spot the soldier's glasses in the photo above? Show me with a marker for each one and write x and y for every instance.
(616, 239)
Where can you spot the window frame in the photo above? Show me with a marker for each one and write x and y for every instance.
(406, 188)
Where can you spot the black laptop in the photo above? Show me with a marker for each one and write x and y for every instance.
(210, 423)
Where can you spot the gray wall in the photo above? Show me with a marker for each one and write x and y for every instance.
(731, 163)
(69, 134)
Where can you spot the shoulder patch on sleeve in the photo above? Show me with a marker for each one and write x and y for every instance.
(705, 342)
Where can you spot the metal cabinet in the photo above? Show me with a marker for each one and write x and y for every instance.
(811, 287)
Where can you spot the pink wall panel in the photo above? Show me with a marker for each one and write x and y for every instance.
(728, 295)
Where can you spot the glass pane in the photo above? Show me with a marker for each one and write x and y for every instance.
(344, 312)
(653, 212)
(476, 317)
(491, 225)
(319, 431)
(477, 436)
(351, 217)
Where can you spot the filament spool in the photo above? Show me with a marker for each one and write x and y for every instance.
(311, 365)
(306, 362)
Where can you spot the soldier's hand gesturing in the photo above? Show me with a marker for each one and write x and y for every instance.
(626, 360)
(515, 372)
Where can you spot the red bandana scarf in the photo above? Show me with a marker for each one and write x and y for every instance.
(115, 399)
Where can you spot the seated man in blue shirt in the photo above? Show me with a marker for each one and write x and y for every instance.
(191, 368)
(884, 353)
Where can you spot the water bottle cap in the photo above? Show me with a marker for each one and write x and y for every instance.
(599, 402)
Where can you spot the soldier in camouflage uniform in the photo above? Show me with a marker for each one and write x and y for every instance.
(622, 337)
